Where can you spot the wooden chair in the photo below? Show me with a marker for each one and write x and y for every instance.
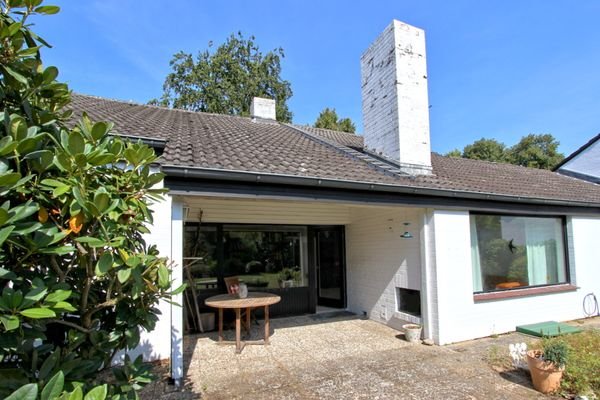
(232, 283)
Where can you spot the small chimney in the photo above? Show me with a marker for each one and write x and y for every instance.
(394, 97)
(262, 108)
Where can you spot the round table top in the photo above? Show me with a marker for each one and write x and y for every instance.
(254, 299)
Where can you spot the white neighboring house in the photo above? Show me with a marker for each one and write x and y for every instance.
(374, 224)
(584, 163)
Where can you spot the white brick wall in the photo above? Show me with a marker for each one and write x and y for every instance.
(156, 345)
(460, 318)
(378, 261)
(394, 97)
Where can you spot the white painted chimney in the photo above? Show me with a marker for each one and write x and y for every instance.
(262, 108)
(394, 97)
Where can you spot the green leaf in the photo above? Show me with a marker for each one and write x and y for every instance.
(97, 393)
(64, 306)
(9, 179)
(76, 394)
(133, 261)
(24, 228)
(10, 322)
(101, 200)
(58, 295)
(54, 387)
(179, 290)
(14, 74)
(5, 232)
(59, 191)
(52, 183)
(23, 211)
(99, 130)
(3, 216)
(63, 162)
(123, 275)
(91, 241)
(76, 143)
(48, 10)
(9, 147)
(38, 313)
(50, 74)
(6, 274)
(34, 155)
(35, 295)
(26, 392)
(163, 276)
(104, 264)
(132, 156)
(13, 28)
(79, 196)
(58, 250)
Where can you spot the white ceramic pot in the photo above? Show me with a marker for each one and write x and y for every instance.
(412, 332)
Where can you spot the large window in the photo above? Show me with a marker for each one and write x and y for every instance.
(512, 252)
(265, 256)
(262, 256)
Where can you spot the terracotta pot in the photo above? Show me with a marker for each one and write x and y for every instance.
(545, 375)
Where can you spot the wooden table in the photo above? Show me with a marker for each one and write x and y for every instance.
(254, 300)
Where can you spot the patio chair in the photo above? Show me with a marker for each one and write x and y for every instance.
(232, 283)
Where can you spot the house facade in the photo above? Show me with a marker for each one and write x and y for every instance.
(374, 224)
(584, 163)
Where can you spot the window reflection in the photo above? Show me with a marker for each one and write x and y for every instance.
(264, 257)
(200, 255)
(511, 252)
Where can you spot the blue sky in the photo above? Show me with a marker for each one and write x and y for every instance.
(497, 69)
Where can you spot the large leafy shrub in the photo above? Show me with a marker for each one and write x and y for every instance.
(77, 280)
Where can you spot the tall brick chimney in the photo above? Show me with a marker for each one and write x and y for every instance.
(395, 105)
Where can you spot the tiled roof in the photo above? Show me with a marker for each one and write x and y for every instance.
(232, 143)
(344, 138)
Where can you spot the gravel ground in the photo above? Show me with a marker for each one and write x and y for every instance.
(347, 357)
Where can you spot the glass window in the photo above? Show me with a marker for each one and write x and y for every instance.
(512, 252)
(265, 256)
(200, 255)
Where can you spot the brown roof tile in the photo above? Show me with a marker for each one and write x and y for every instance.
(204, 140)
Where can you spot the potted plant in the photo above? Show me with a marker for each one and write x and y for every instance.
(412, 332)
(287, 277)
(546, 365)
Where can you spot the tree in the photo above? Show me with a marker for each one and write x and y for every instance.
(536, 151)
(485, 149)
(77, 280)
(328, 119)
(456, 153)
(346, 125)
(226, 80)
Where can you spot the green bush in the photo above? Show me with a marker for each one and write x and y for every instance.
(556, 351)
(77, 280)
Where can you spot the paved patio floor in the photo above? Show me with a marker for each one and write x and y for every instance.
(343, 357)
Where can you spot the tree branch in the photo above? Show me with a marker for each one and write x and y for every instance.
(70, 324)
(56, 268)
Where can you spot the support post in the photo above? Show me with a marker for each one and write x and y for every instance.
(177, 280)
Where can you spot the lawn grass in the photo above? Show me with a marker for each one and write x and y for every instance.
(582, 374)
